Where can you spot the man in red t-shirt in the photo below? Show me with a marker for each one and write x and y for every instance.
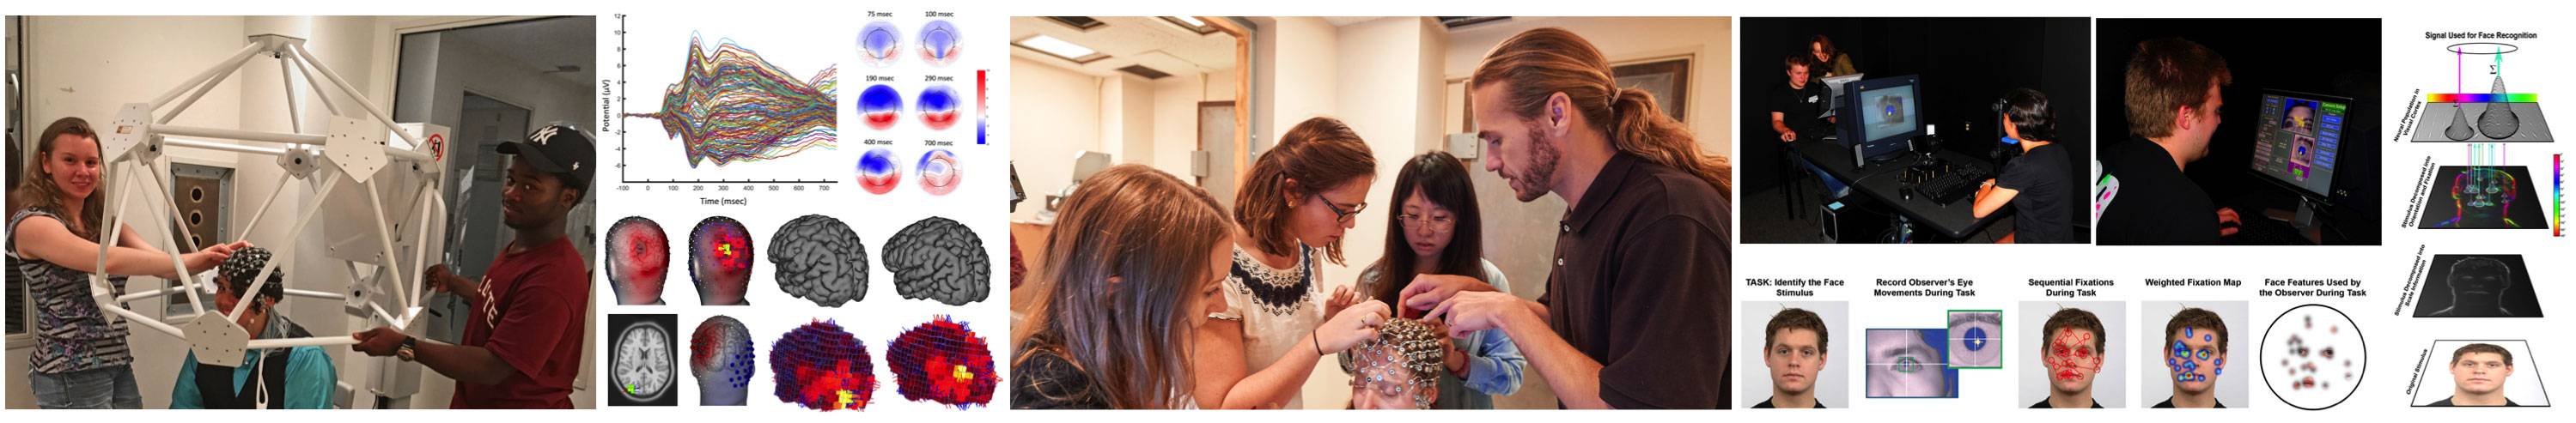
(539, 288)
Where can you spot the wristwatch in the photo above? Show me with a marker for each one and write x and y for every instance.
(408, 350)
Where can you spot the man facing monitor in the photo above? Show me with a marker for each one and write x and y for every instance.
(2172, 100)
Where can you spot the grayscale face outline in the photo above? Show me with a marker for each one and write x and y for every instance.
(2478, 284)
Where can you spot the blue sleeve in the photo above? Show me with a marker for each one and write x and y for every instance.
(1494, 368)
(184, 395)
(310, 379)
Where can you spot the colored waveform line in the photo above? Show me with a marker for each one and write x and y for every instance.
(735, 106)
(2482, 98)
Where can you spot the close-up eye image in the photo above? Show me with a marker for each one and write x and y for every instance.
(720, 261)
(1904, 363)
(639, 260)
(939, 43)
(643, 365)
(880, 44)
(1976, 339)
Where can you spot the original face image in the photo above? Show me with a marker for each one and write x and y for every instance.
(1976, 339)
(1903, 363)
(1794, 359)
(2480, 373)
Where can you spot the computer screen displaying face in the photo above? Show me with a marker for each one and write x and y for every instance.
(2297, 141)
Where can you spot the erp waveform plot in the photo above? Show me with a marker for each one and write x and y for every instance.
(732, 105)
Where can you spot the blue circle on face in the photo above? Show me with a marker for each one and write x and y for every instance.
(1976, 339)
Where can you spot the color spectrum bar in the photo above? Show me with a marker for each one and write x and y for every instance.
(2483, 98)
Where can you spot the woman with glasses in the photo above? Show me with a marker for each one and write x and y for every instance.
(1291, 211)
(1437, 231)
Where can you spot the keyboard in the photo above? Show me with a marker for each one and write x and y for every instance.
(1944, 183)
(2257, 230)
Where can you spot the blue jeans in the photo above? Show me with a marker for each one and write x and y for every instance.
(111, 387)
(1835, 189)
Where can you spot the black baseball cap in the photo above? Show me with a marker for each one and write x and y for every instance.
(560, 150)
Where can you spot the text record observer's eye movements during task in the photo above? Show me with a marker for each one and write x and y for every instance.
(803, 192)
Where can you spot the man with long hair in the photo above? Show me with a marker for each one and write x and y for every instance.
(1637, 305)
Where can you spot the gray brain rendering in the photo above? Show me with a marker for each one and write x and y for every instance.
(939, 259)
(820, 259)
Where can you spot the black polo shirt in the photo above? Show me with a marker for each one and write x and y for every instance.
(1802, 109)
(1641, 283)
(2155, 204)
(2043, 403)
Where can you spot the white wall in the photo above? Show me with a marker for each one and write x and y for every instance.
(1059, 114)
(1294, 73)
(1176, 114)
(1134, 120)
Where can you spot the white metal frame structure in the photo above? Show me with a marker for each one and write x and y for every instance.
(354, 166)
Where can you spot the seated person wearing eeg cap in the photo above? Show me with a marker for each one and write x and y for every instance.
(1400, 368)
(288, 378)
(2038, 185)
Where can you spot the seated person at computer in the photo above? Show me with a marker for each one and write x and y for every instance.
(268, 378)
(2172, 101)
(2477, 377)
(1798, 114)
(2038, 183)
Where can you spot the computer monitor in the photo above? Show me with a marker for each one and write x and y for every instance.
(2298, 140)
(1880, 115)
(1834, 87)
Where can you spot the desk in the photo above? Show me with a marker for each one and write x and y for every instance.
(1879, 182)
